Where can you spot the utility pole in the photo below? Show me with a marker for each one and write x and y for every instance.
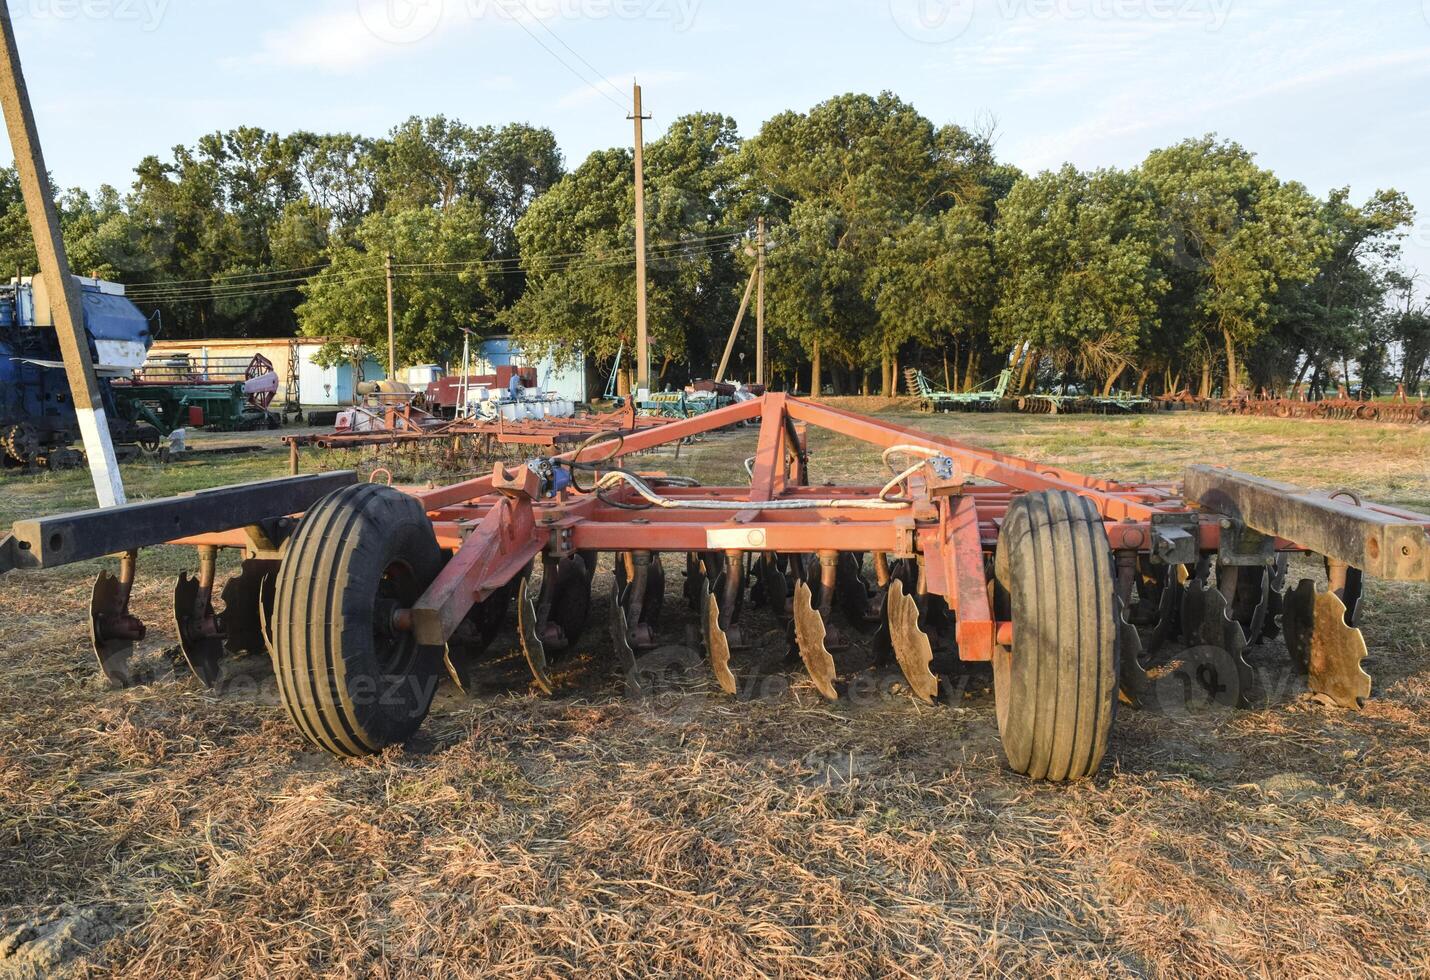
(735, 330)
(642, 336)
(66, 302)
(760, 303)
(391, 326)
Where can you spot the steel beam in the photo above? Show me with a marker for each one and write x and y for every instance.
(1390, 547)
(63, 539)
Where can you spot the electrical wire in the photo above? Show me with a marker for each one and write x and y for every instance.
(246, 275)
(693, 248)
(204, 296)
(563, 62)
(652, 249)
(600, 75)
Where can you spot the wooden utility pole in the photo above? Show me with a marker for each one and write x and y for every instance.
(760, 303)
(391, 326)
(66, 302)
(642, 335)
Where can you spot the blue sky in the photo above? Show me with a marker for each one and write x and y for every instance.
(1328, 94)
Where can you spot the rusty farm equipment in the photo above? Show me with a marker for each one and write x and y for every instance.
(472, 439)
(1078, 593)
(1400, 409)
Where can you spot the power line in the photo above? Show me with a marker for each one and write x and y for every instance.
(539, 264)
(246, 275)
(589, 252)
(343, 279)
(600, 75)
(562, 61)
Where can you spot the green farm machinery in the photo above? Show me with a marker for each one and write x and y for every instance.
(988, 397)
(223, 394)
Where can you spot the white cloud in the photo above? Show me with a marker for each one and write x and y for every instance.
(1128, 113)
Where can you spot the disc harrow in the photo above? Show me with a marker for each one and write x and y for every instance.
(1401, 409)
(1071, 592)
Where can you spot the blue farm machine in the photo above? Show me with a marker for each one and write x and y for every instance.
(38, 425)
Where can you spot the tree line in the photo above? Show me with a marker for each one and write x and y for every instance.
(892, 242)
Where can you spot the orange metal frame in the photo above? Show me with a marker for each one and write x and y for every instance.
(497, 525)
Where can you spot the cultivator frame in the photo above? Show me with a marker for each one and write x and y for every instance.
(1066, 584)
(982, 399)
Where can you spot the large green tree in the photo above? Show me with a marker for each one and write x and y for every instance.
(1239, 234)
(445, 282)
(1081, 283)
(853, 183)
(578, 245)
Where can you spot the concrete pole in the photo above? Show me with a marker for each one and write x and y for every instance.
(391, 325)
(735, 330)
(67, 304)
(642, 335)
(760, 304)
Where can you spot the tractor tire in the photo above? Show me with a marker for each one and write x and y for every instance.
(352, 683)
(148, 438)
(1056, 689)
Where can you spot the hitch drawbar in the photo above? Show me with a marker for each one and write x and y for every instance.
(63, 539)
(1381, 541)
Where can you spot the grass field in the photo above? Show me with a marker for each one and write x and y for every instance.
(168, 830)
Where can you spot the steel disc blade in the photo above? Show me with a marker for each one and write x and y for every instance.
(912, 648)
(1337, 651)
(1135, 684)
(1297, 623)
(1217, 644)
(717, 644)
(809, 632)
(202, 652)
(621, 641)
(244, 598)
(531, 645)
(113, 653)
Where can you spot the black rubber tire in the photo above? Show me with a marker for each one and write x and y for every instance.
(359, 552)
(1056, 690)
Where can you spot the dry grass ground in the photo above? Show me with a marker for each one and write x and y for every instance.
(166, 830)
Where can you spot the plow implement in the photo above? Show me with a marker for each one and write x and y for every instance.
(469, 439)
(1401, 409)
(991, 396)
(1076, 593)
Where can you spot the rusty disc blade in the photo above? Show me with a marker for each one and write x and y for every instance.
(717, 644)
(244, 598)
(912, 648)
(112, 652)
(202, 650)
(809, 632)
(1135, 684)
(1321, 643)
(621, 640)
(1222, 666)
(531, 645)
